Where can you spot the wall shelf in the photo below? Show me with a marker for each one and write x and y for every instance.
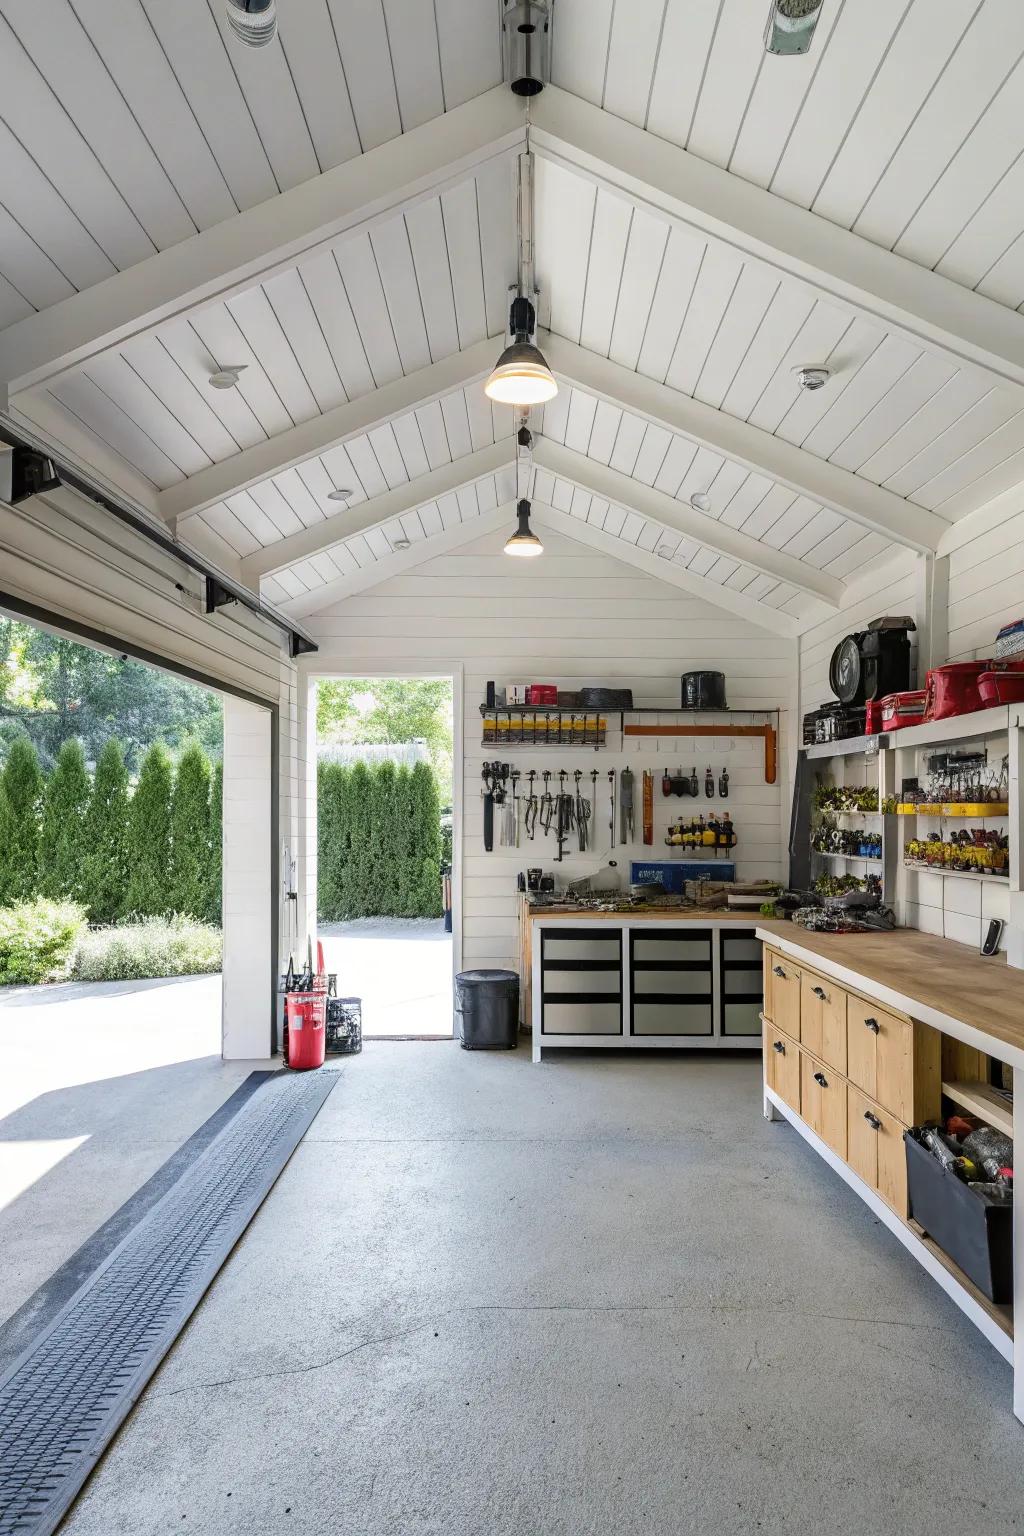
(957, 874)
(984, 1101)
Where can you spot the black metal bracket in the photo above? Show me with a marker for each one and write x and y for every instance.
(301, 645)
(32, 473)
(217, 595)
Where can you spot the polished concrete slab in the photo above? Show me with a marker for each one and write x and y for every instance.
(603, 1294)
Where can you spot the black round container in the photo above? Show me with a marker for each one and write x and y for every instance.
(487, 1003)
(703, 690)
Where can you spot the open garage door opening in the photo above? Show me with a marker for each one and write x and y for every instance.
(386, 807)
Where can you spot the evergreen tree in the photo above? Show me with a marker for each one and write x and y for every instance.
(426, 822)
(359, 863)
(404, 843)
(384, 842)
(150, 836)
(61, 838)
(190, 834)
(105, 838)
(215, 863)
(20, 808)
(341, 857)
(328, 800)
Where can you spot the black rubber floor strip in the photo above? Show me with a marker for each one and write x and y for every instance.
(62, 1402)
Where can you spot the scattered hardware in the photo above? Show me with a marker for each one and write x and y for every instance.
(845, 798)
(958, 784)
(971, 850)
(828, 837)
(344, 1026)
(711, 836)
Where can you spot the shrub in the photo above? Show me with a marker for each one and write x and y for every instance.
(37, 941)
(21, 794)
(149, 835)
(190, 836)
(156, 946)
(61, 838)
(215, 870)
(426, 821)
(379, 843)
(105, 874)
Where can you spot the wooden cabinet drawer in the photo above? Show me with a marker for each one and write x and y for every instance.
(823, 1019)
(782, 992)
(782, 1066)
(823, 1101)
(875, 1149)
(894, 1061)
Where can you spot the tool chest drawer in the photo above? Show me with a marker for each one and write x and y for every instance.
(823, 1019)
(823, 1101)
(671, 1016)
(875, 1149)
(742, 983)
(583, 1017)
(782, 1065)
(782, 992)
(894, 1061)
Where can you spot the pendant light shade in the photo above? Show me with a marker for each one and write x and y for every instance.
(521, 376)
(524, 542)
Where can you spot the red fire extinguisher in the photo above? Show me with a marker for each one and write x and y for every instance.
(306, 1020)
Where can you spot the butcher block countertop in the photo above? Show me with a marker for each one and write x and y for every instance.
(652, 915)
(937, 980)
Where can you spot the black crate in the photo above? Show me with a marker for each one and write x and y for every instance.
(977, 1234)
(344, 1026)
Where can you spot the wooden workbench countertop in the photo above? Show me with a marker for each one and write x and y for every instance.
(654, 914)
(937, 975)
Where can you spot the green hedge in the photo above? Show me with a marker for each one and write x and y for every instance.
(38, 940)
(379, 841)
(157, 946)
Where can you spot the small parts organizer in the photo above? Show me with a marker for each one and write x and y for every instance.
(959, 786)
(540, 726)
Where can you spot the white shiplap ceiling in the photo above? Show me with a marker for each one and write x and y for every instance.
(128, 135)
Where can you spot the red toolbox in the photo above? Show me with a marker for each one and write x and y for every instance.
(542, 693)
(900, 709)
(953, 689)
(1002, 686)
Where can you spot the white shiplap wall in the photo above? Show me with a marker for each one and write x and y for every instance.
(571, 618)
(896, 591)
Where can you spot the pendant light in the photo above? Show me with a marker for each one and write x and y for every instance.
(524, 542)
(521, 375)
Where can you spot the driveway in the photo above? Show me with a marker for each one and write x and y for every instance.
(400, 967)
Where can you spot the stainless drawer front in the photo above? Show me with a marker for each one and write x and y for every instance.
(672, 1018)
(740, 949)
(582, 1018)
(672, 949)
(741, 983)
(581, 981)
(741, 1019)
(581, 949)
(647, 982)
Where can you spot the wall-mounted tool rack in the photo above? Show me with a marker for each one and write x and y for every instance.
(543, 725)
(767, 732)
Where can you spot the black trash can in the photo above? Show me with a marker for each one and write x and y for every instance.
(487, 1003)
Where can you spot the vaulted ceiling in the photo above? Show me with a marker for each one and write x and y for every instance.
(334, 214)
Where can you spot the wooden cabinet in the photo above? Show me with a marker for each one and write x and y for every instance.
(782, 1066)
(894, 1061)
(875, 1149)
(782, 992)
(823, 1019)
(823, 1101)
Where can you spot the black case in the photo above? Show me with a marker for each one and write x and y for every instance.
(976, 1234)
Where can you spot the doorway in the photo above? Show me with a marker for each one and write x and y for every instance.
(387, 813)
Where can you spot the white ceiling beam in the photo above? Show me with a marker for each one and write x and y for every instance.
(244, 250)
(320, 433)
(379, 509)
(680, 517)
(546, 516)
(871, 506)
(938, 312)
(398, 563)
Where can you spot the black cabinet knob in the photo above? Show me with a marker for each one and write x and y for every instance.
(819, 1077)
(819, 992)
(778, 1046)
(873, 1025)
(872, 1120)
(778, 971)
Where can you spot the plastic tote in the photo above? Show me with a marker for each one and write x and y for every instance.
(487, 1006)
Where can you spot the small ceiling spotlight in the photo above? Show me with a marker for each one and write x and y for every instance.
(253, 21)
(664, 552)
(343, 493)
(700, 501)
(524, 542)
(791, 25)
(228, 376)
(399, 544)
(812, 378)
(521, 376)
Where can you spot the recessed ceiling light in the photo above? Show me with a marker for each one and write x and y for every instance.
(812, 378)
(227, 377)
(342, 494)
(664, 552)
(400, 544)
(700, 501)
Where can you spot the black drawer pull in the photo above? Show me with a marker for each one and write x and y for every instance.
(819, 1077)
(778, 971)
(820, 992)
(778, 1046)
(872, 1120)
(873, 1025)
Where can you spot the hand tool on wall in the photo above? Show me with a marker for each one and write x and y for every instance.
(648, 792)
(694, 786)
(547, 805)
(611, 805)
(581, 811)
(666, 783)
(709, 783)
(626, 805)
(563, 815)
(593, 804)
(488, 794)
(723, 784)
(530, 813)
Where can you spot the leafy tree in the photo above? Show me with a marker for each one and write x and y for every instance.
(426, 882)
(62, 839)
(215, 876)
(149, 839)
(390, 709)
(105, 836)
(190, 835)
(20, 810)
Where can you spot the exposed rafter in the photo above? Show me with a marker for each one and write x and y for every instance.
(547, 516)
(850, 495)
(680, 517)
(251, 246)
(321, 433)
(933, 309)
(394, 565)
(379, 509)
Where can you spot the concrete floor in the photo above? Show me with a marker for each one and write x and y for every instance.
(101, 1082)
(401, 968)
(600, 1295)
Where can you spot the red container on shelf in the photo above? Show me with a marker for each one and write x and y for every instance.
(542, 693)
(1003, 687)
(900, 709)
(872, 717)
(953, 689)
